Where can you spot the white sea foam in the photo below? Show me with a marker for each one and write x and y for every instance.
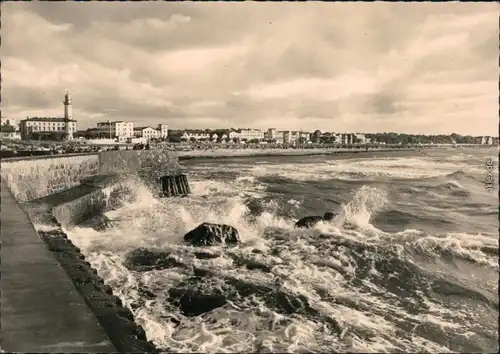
(368, 314)
(45, 228)
(359, 169)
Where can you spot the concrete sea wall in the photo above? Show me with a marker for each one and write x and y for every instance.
(73, 206)
(36, 177)
(62, 192)
(30, 178)
(129, 161)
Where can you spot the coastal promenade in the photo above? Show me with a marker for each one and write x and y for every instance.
(41, 309)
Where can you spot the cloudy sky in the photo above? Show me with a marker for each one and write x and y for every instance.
(421, 67)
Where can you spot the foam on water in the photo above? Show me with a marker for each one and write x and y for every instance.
(358, 169)
(339, 267)
(45, 228)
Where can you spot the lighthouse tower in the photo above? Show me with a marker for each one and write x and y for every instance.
(68, 117)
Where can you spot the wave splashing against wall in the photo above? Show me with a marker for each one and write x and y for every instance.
(344, 286)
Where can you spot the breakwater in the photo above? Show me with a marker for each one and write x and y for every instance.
(59, 193)
(30, 178)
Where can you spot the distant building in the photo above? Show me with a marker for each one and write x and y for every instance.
(287, 137)
(116, 129)
(487, 140)
(147, 133)
(246, 134)
(274, 136)
(305, 136)
(219, 137)
(12, 122)
(270, 135)
(360, 138)
(293, 137)
(68, 116)
(234, 134)
(342, 138)
(9, 129)
(39, 126)
(195, 134)
(251, 134)
(10, 135)
(345, 138)
(163, 129)
(51, 127)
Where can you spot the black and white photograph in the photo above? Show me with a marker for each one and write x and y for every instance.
(249, 177)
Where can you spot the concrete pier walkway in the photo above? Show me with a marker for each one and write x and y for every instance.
(41, 311)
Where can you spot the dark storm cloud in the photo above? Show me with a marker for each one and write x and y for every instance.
(26, 97)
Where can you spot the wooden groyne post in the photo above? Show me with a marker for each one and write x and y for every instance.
(175, 186)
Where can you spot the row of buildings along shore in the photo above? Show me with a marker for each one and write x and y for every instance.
(127, 132)
(65, 128)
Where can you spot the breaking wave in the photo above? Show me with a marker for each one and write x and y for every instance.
(385, 275)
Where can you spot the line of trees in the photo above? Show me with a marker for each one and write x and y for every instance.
(395, 138)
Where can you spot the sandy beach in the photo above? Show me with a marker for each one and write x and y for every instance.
(183, 155)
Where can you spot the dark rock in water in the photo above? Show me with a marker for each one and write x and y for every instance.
(103, 223)
(255, 206)
(193, 303)
(175, 321)
(286, 303)
(252, 265)
(205, 292)
(349, 226)
(329, 216)
(206, 255)
(310, 221)
(146, 294)
(208, 234)
(194, 299)
(142, 259)
(200, 272)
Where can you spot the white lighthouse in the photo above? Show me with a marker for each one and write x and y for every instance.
(68, 117)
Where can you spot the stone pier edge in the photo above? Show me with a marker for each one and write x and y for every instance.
(117, 321)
